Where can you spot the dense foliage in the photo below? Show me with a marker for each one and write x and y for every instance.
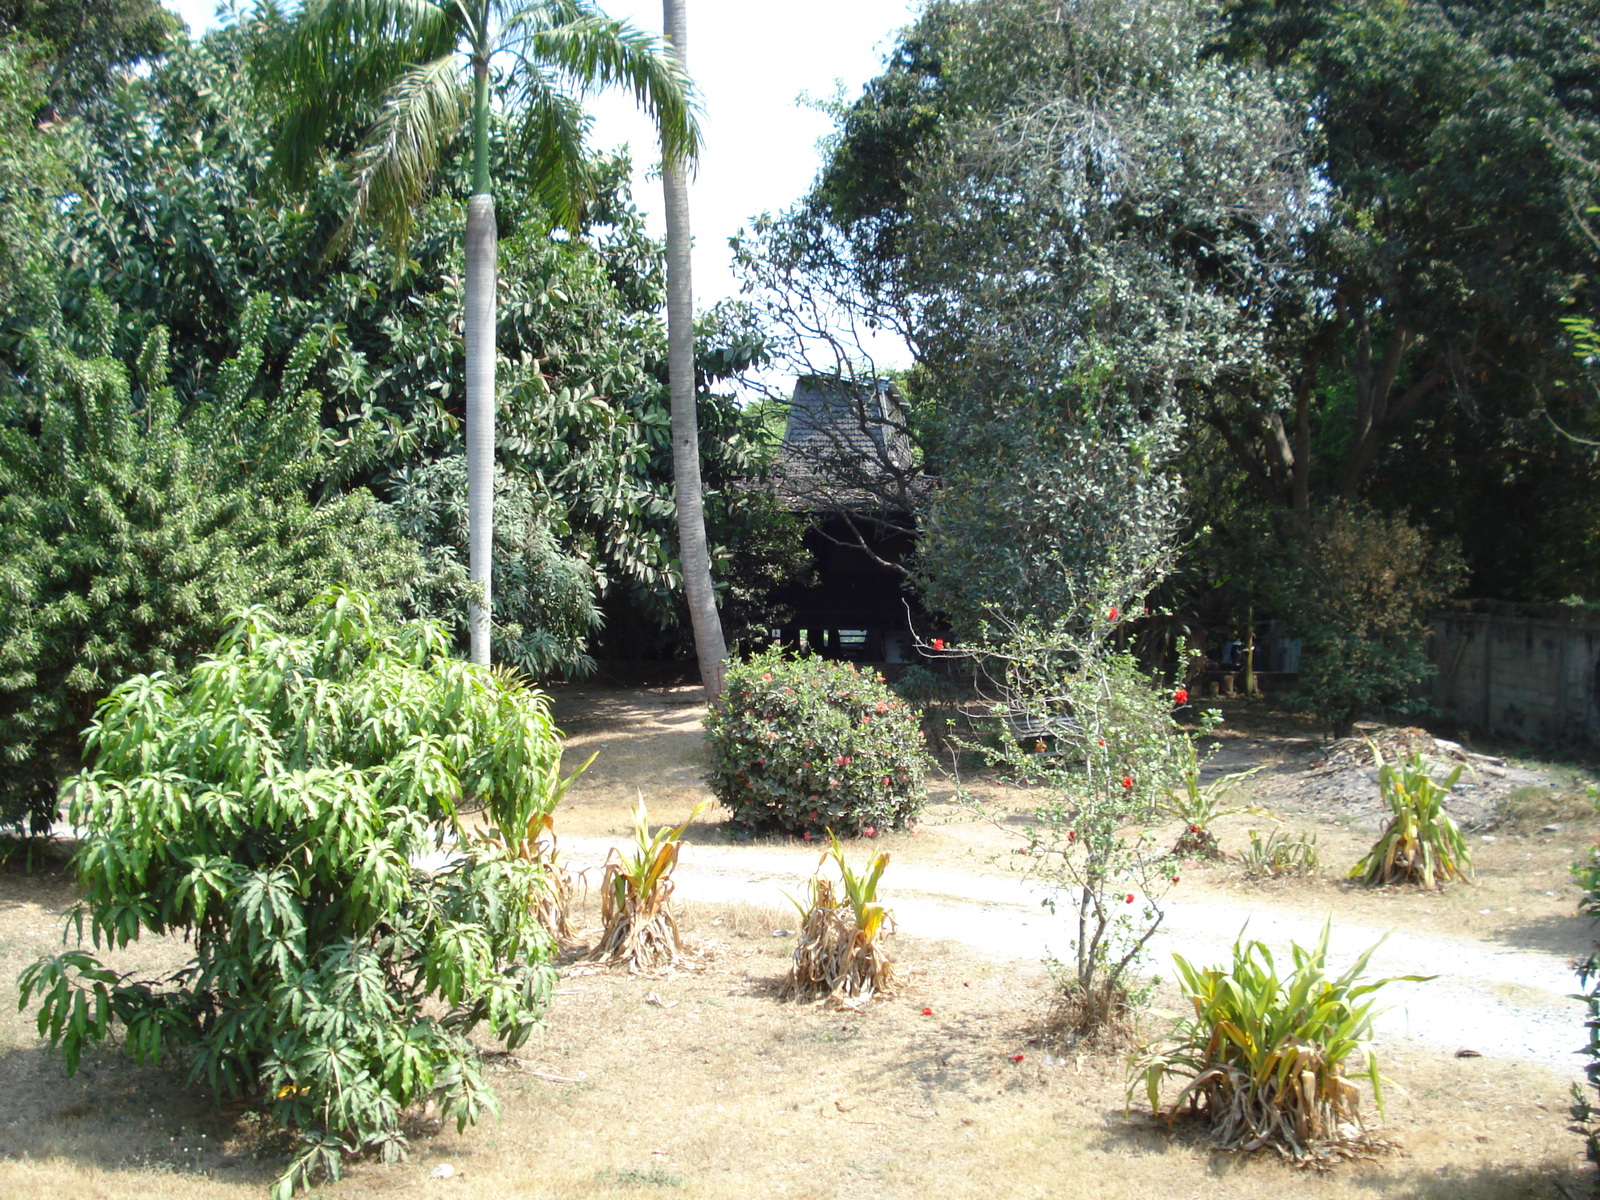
(34, 170)
(544, 598)
(1360, 588)
(804, 745)
(1319, 245)
(182, 217)
(135, 517)
(270, 807)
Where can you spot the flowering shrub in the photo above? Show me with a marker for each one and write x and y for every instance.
(1115, 758)
(804, 745)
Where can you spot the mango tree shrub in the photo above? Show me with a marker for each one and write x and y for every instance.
(805, 745)
(271, 807)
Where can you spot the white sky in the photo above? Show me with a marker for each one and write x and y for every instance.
(751, 60)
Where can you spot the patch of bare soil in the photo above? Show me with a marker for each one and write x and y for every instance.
(701, 1083)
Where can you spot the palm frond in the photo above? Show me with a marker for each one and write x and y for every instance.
(342, 57)
(420, 115)
(592, 51)
(550, 134)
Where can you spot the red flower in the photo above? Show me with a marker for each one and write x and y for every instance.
(1102, 741)
(882, 706)
(1039, 747)
(870, 831)
(807, 836)
(938, 643)
(1113, 615)
(1129, 899)
(1194, 829)
(1127, 783)
(1174, 879)
(1071, 834)
(767, 676)
(1181, 696)
(927, 1012)
(1016, 1058)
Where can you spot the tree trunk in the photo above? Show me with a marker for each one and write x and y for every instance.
(482, 250)
(693, 555)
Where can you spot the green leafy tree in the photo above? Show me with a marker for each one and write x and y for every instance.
(89, 43)
(1361, 587)
(34, 171)
(134, 518)
(269, 806)
(181, 220)
(422, 67)
(1457, 144)
(1078, 220)
(547, 607)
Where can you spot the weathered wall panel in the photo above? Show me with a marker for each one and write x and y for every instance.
(1525, 671)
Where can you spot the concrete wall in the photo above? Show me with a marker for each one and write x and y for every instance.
(1524, 671)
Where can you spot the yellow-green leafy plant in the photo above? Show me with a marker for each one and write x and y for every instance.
(1264, 1056)
(525, 831)
(1197, 805)
(640, 929)
(1422, 843)
(1279, 856)
(841, 953)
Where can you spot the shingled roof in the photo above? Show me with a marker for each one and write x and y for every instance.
(846, 445)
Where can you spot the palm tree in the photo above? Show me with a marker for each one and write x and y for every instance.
(693, 555)
(424, 67)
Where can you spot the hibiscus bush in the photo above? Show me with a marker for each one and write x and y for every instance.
(805, 745)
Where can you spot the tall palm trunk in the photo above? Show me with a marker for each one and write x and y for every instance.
(710, 648)
(483, 238)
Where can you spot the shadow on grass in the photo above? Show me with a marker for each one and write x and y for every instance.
(1392, 1175)
(116, 1115)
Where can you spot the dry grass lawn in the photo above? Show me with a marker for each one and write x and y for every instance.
(701, 1084)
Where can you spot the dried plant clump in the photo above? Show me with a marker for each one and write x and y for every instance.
(1265, 1056)
(1422, 844)
(1279, 856)
(640, 930)
(841, 955)
(1107, 1016)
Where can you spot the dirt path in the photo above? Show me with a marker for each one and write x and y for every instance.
(1499, 1001)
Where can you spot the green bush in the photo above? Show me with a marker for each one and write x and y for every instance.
(134, 520)
(270, 808)
(543, 598)
(1361, 588)
(1263, 1058)
(805, 745)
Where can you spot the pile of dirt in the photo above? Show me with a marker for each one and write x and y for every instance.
(1339, 780)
